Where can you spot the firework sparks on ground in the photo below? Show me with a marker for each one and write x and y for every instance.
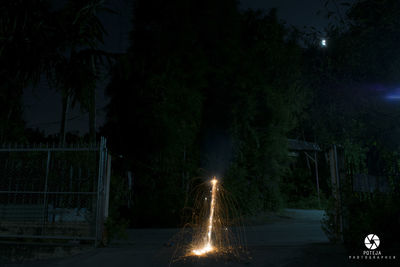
(208, 247)
(215, 227)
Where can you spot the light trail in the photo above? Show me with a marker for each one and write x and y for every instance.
(208, 247)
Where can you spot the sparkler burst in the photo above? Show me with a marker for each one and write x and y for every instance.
(208, 247)
(215, 227)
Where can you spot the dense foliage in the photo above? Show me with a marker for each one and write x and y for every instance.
(355, 81)
(198, 71)
(41, 42)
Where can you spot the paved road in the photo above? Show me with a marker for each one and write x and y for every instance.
(294, 239)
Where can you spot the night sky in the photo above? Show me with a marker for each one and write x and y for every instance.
(43, 105)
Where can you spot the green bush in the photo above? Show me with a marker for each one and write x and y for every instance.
(116, 223)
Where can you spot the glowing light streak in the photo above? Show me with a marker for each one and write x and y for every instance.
(208, 247)
(393, 97)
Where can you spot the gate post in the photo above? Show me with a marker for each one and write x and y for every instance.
(100, 191)
(336, 163)
(45, 192)
(107, 186)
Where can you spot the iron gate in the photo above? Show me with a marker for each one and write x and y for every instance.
(54, 192)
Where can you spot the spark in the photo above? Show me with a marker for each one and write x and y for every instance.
(208, 247)
(211, 226)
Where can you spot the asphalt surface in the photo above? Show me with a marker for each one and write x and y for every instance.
(294, 238)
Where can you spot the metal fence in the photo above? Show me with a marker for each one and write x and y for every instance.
(54, 192)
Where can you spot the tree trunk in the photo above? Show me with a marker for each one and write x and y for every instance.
(92, 117)
(92, 110)
(64, 115)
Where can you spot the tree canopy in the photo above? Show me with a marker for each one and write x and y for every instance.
(198, 67)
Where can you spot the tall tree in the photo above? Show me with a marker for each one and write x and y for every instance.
(157, 95)
(196, 67)
(268, 97)
(77, 64)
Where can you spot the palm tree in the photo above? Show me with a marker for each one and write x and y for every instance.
(35, 40)
(77, 65)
